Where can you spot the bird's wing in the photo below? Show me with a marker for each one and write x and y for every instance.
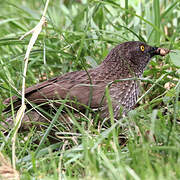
(75, 85)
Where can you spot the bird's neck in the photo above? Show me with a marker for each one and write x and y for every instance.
(120, 69)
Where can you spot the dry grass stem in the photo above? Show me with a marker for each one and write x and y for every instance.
(20, 114)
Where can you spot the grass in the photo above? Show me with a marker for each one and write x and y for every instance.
(78, 36)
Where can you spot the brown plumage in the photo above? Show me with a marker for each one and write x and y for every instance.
(126, 60)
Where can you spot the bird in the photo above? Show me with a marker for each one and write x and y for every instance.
(126, 62)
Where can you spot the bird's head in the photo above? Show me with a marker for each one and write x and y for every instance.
(139, 53)
(135, 54)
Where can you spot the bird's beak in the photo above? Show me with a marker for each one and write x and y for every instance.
(158, 51)
(153, 51)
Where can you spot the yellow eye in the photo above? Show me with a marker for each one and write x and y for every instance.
(142, 48)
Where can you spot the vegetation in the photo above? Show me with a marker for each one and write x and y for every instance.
(78, 35)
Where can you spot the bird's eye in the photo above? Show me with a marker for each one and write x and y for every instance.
(142, 48)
